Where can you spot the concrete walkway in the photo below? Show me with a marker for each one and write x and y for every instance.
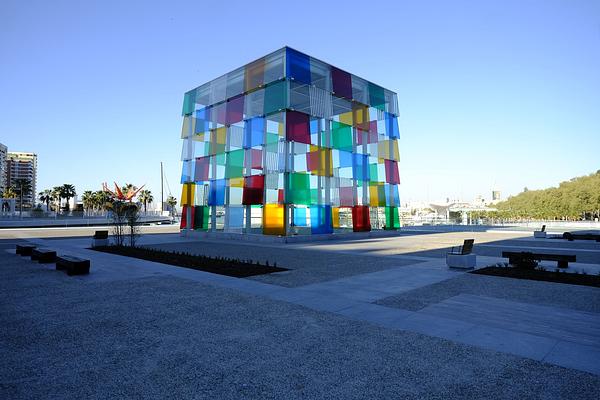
(558, 336)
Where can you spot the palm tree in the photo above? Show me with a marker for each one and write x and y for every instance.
(22, 187)
(88, 200)
(67, 191)
(172, 202)
(129, 187)
(145, 196)
(101, 198)
(57, 196)
(46, 196)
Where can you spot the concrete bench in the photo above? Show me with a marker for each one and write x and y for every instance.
(525, 256)
(100, 238)
(462, 258)
(25, 249)
(73, 265)
(541, 234)
(43, 256)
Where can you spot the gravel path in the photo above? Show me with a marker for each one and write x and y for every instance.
(306, 266)
(582, 298)
(167, 338)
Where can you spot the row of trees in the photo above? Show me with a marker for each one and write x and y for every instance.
(576, 199)
(56, 194)
(93, 201)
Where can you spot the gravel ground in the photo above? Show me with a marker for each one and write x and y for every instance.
(306, 266)
(582, 298)
(167, 338)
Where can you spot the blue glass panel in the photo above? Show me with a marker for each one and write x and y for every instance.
(345, 159)
(391, 126)
(391, 192)
(216, 194)
(360, 167)
(320, 219)
(236, 217)
(253, 132)
(300, 216)
(203, 123)
(185, 176)
(297, 66)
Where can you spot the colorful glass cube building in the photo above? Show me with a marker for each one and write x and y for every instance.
(290, 145)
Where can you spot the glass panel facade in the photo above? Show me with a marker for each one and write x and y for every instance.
(289, 144)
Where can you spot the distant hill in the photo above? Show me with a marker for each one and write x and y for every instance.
(576, 199)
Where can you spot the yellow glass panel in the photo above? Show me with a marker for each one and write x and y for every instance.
(186, 129)
(273, 222)
(361, 116)
(187, 194)
(383, 150)
(346, 118)
(236, 182)
(221, 135)
(335, 216)
(373, 196)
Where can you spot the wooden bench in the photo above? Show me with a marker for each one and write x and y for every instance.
(73, 265)
(25, 249)
(581, 236)
(515, 257)
(43, 256)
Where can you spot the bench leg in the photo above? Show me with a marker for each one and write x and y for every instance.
(563, 264)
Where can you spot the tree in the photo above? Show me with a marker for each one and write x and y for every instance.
(101, 200)
(57, 196)
(172, 202)
(9, 193)
(46, 196)
(145, 197)
(67, 192)
(87, 199)
(22, 187)
(129, 188)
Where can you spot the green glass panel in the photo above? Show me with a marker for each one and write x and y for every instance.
(201, 218)
(189, 101)
(341, 135)
(221, 160)
(392, 220)
(314, 196)
(298, 190)
(376, 97)
(275, 97)
(272, 138)
(373, 172)
(235, 164)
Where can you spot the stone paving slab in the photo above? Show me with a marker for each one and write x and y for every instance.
(570, 355)
(553, 322)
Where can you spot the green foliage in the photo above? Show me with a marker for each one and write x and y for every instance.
(578, 198)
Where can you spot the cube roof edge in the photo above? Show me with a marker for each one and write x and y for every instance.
(282, 50)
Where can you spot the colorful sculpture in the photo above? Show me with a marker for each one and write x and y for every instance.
(118, 194)
(290, 145)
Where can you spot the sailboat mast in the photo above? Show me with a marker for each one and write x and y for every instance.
(162, 201)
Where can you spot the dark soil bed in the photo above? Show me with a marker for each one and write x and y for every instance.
(540, 275)
(216, 265)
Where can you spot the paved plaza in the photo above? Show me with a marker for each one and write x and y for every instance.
(378, 317)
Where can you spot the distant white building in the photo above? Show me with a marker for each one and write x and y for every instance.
(21, 165)
(3, 154)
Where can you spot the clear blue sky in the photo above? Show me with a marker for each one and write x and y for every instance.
(504, 92)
